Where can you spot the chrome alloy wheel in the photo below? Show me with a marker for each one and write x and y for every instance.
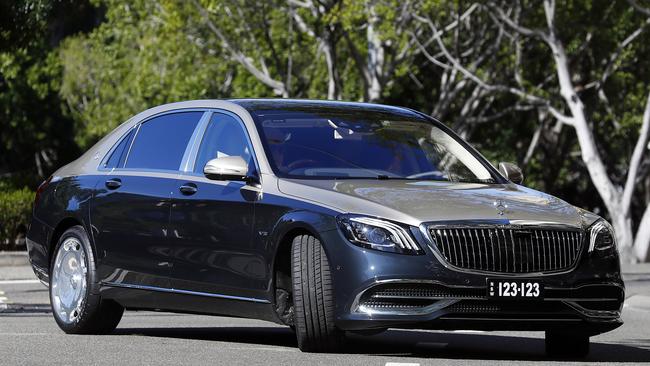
(69, 280)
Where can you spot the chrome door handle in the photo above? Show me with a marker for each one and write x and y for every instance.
(188, 189)
(113, 183)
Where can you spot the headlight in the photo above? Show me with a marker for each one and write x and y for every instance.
(601, 236)
(378, 234)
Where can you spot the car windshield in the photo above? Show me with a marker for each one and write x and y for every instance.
(361, 144)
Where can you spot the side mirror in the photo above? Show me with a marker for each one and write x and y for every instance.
(512, 172)
(226, 168)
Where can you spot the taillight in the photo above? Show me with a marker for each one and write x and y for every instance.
(40, 190)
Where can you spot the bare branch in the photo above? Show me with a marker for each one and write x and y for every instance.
(639, 8)
(501, 88)
(301, 4)
(262, 76)
(514, 26)
(611, 63)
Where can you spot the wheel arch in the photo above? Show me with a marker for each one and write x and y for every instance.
(290, 226)
(60, 228)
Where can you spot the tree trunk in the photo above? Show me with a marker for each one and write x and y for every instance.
(624, 236)
(642, 239)
(375, 55)
(590, 155)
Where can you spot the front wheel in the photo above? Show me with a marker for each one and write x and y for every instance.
(313, 297)
(76, 308)
(567, 344)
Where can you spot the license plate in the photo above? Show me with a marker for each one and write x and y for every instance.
(510, 289)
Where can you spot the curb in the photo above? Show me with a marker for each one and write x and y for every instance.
(25, 308)
(14, 259)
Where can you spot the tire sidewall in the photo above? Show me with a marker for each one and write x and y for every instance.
(90, 301)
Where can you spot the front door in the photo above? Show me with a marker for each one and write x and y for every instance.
(212, 221)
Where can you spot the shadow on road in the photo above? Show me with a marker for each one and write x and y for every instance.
(408, 343)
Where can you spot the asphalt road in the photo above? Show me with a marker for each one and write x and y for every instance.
(29, 335)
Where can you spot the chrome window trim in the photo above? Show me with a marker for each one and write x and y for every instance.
(137, 127)
(193, 145)
(128, 152)
(184, 292)
(424, 230)
(192, 158)
(108, 155)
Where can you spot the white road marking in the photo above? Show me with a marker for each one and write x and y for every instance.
(469, 331)
(401, 364)
(17, 282)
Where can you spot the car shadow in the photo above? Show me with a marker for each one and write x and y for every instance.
(408, 343)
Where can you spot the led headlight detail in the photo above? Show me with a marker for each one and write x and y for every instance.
(378, 234)
(601, 236)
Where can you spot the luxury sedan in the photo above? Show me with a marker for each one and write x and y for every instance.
(328, 217)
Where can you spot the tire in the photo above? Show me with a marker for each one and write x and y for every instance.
(566, 344)
(76, 305)
(313, 297)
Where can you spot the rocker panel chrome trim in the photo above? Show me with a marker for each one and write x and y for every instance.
(184, 292)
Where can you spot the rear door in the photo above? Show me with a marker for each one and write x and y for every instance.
(131, 209)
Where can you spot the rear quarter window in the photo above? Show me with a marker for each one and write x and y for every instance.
(116, 159)
(161, 141)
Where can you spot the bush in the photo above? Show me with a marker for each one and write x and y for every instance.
(15, 213)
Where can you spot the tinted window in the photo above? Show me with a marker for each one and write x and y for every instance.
(119, 153)
(225, 136)
(349, 144)
(161, 141)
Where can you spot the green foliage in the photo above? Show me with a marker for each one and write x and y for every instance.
(71, 71)
(33, 123)
(142, 55)
(15, 213)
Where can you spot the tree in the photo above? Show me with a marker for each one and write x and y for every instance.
(522, 80)
(571, 90)
(36, 133)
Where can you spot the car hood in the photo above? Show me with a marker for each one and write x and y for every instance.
(415, 202)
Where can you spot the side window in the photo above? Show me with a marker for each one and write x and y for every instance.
(118, 155)
(225, 136)
(161, 141)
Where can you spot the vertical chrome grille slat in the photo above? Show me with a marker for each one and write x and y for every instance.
(478, 248)
(505, 248)
(565, 256)
(460, 248)
(508, 249)
(514, 254)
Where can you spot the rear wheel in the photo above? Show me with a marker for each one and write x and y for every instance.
(313, 297)
(76, 308)
(560, 343)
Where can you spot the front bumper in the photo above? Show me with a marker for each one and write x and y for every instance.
(375, 290)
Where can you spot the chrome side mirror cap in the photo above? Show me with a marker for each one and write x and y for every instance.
(226, 168)
(512, 172)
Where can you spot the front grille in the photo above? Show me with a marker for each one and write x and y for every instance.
(508, 249)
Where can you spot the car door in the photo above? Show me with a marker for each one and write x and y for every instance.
(131, 208)
(212, 221)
